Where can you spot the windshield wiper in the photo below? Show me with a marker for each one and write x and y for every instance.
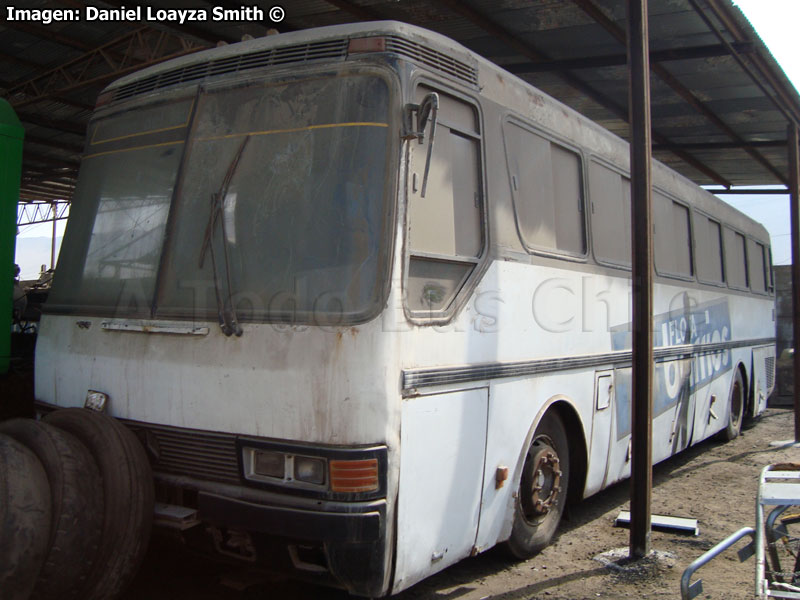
(226, 310)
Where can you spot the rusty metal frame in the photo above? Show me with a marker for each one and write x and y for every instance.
(51, 160)
(60, 188)
(184, 30)
(34, 213)
(642, 278)
(27, 197)
(140, 48)
(59, 124)
(752, 192)
(47, 33)
(781, 100)
(59, 145)
(794, 190)
(681, 90)
(612, 60)
(725, 145)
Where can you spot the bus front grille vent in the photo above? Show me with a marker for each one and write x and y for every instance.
(769, 369)
(270, 57)
(432, 58)
(191, 452)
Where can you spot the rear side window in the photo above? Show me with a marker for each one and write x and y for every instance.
(708, 242)
(757, 266)
(610, 196)
(735, 259)
(547, 188)
(770, 275)
(672, 244)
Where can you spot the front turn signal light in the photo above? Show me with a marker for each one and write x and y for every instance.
(354, 475)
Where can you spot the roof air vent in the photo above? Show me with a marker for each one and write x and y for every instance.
(298, 53)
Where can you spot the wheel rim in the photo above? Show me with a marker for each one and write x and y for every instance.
(543, 489)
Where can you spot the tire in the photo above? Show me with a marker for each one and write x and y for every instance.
(25, 519)
(128, 493)
(542, 490)
(736, 408)
(76, 507)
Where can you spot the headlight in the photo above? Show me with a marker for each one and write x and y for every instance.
(284, 468)
(270, 464)
(309, 470)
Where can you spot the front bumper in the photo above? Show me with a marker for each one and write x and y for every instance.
(293, 522)
(350, 538)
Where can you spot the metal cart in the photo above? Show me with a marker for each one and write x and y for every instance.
(778, 487)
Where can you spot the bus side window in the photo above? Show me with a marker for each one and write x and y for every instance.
(445, 227)
(672, 244)
(756, 265)
(547, 188)
(735, 259)
(770, 273)
(708, 241)
(610, 195)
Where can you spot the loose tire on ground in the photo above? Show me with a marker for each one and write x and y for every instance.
(128, 493)
(736, 407)
(542, 491)
(24, 519)
(77, 507)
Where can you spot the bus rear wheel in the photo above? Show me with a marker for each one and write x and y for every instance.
(542, 490)
(735, 408)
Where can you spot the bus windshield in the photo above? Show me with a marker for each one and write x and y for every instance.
(274, 195)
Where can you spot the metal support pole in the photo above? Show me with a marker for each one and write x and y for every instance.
(54, 208)
(794, 191)
(641, 221)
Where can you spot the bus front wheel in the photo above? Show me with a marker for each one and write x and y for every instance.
(542, 492)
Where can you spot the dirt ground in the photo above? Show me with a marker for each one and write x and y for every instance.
(713, 482)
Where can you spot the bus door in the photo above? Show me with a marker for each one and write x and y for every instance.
(602, 429)
(619, 446)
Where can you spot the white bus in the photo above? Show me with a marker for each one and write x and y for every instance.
(366, 298)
